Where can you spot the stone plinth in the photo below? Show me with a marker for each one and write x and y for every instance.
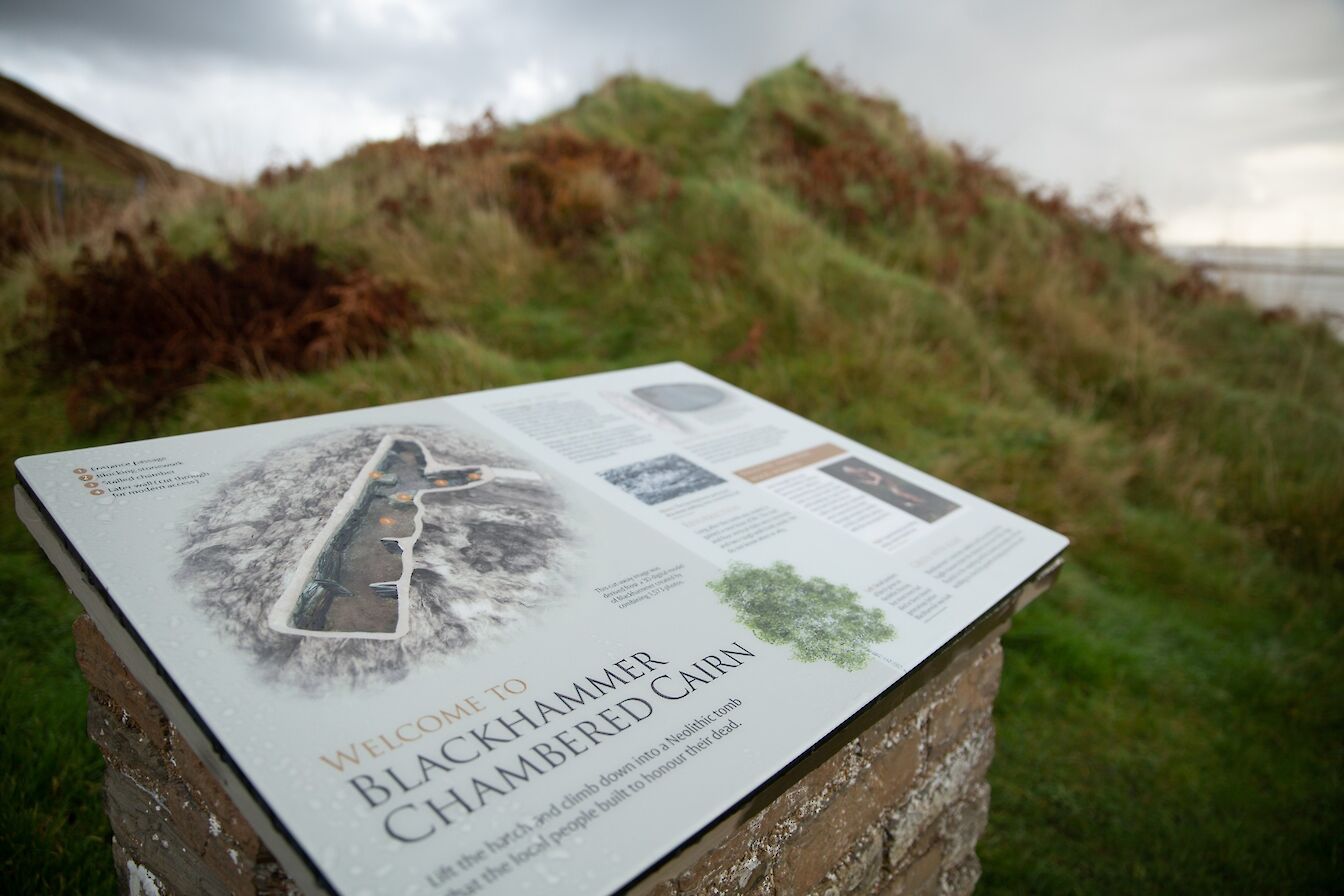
(895, 809)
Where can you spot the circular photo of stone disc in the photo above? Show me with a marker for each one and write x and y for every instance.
(680, 396)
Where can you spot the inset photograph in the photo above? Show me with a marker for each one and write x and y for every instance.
(680, 397)
(892, 489)
(686, 409)
(661, 478)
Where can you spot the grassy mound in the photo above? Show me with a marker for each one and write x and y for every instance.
(97, 171)
(1169, 718)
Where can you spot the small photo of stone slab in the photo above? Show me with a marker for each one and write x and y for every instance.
(661, 479)
(680, 397)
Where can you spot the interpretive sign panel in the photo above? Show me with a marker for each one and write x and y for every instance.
(529, 638)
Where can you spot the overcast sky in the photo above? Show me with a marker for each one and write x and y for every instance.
(1227, 116)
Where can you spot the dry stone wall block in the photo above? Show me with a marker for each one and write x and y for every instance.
(897, 810)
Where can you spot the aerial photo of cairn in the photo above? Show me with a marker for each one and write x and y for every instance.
(487, 557)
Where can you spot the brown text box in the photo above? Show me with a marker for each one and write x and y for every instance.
(789, 462)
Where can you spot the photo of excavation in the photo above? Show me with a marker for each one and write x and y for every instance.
(891, 489)
(661, 479)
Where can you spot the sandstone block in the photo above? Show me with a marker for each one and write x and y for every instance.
(106, 672)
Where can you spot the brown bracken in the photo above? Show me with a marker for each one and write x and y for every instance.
(136, 326)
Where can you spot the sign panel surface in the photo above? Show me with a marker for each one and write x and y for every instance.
(531, 638)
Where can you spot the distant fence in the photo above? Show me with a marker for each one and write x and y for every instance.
(1270, 267)
(33, 208)
(1308, 280)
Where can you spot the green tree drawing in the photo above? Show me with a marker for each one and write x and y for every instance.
(820, 619)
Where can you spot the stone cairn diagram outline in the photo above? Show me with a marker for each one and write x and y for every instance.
(354, 580)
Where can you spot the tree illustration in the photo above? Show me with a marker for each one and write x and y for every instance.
(820, 619)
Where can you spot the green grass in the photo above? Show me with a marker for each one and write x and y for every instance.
(1170, 716)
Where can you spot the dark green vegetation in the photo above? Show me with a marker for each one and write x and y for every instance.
(820, 620)
(1170, 718)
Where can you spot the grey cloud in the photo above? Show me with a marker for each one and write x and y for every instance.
(1165, 98)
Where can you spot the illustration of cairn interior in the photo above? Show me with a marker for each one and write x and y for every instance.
(353, 581)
